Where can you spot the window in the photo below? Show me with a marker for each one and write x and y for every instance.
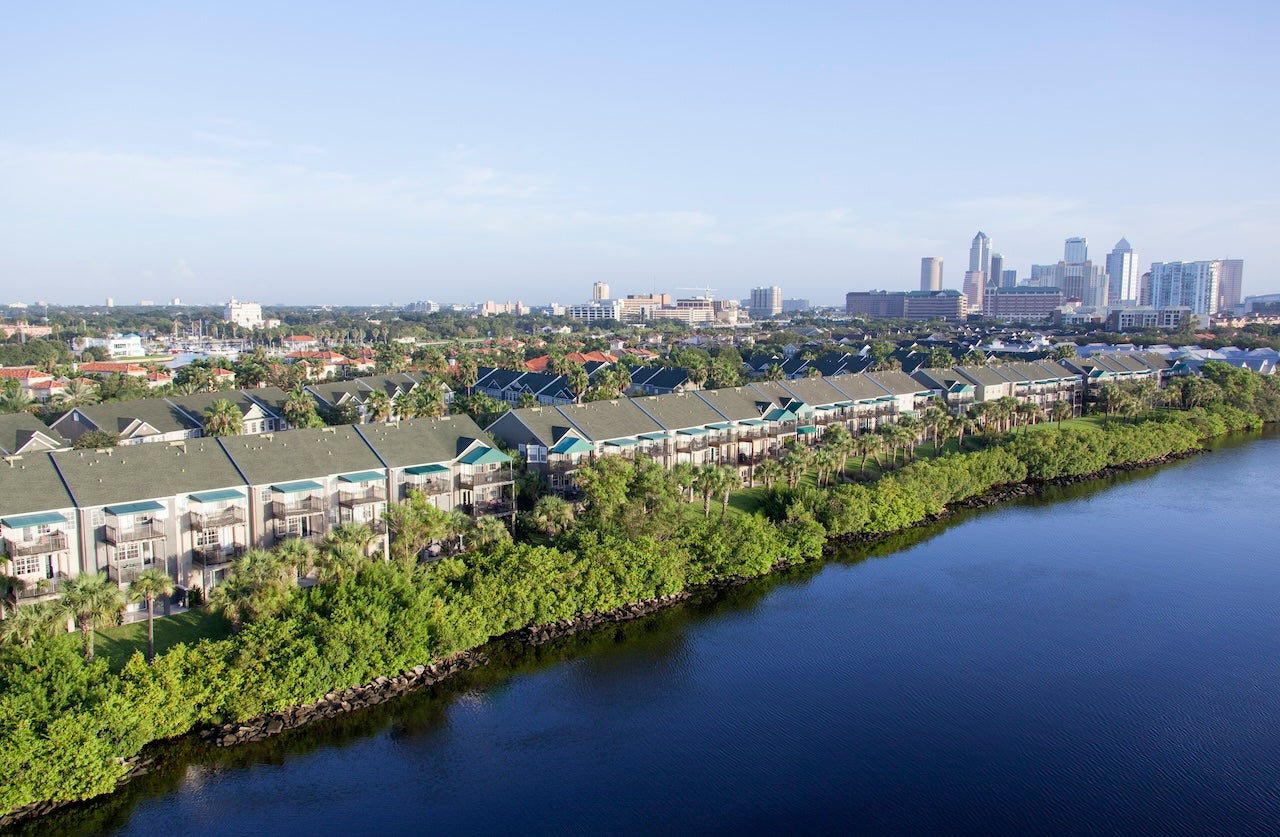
(206, 538)
(26, 564)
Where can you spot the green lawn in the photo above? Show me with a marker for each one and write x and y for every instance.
(116, 645)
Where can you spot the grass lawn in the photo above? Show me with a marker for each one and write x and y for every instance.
(117, 644)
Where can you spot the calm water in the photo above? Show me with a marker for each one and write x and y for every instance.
(1107, 660)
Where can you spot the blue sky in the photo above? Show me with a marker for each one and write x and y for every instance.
(463, 152)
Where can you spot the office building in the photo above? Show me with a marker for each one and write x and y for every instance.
(974, 283)
(600, 290)
(1078, 277)
(1022, 303)
(1122, 274)
(1009, 279)
(930, 274)
(766, 302)
(1077, 250)
(243, 314)
(980, 253)
(908, 305)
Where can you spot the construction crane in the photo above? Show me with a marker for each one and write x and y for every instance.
(706, 292)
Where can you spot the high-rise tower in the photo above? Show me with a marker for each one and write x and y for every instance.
(1230, 278)
(930, 274)
(980, 253)
(1122, 274)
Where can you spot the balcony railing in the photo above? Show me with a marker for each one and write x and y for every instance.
(373, 494)
(39, 588)
(217, 555)
(148, 531)
(312, 504)
(498, 477)
(691, 446)
(230, 516)
(127, 574)
(429, 487)
(313, 538)
(492, 507)
(51, 542)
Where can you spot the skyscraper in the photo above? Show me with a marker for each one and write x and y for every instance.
(1077, 251)
(600, 290)
(980, 253)
(973, 289)
(1122, 274)
(996, 271)
(766, 302)
(930, 274)
(1230, 278)
(1009, 279)
(1192, 285)
(1078, 277)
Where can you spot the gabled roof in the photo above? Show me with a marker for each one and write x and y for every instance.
(546, 424)
(118, 416)
(683, 410)
(140, 472)
(195, 405)
(271, 398)
(814, 391)
(983, 375)
(602, 420)
(338, 392)
(421, 441)
(859, 387)
(300, 454)
(896, 381)
(22, 432)
(735, 403)
(29, 483)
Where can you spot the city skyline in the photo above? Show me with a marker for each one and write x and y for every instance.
(355, 159)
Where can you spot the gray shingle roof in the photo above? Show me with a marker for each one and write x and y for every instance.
(674, 412)
(16, 430)
(300, 454)
(115, 416)
(140, 472)
(422, 441)
(602, 420)
(29, 483)
(735, 403)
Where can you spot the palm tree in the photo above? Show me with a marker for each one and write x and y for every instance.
(867, 445)
(223, 418)
(459, 526)
(684, 475)
(769, 472)
(93, 601)
(838, 440)
(377, 407)
(794, 464)
(552, 514)
(10, 587)
(1062, 410)
(25, 626)
(258, 585)
(145, 588)
(296, 554)
(405, 405)
(16, 402)
(77, 393)
(300, 409)
(710, 480)
(490, 531)
(825, 462)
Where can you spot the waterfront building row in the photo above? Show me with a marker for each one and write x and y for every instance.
(191, 507)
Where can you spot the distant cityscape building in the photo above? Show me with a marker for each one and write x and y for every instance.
(1009, 279)
(600, 290)
(243, 314)
(1190, 284)
(640, 307)
(595, 310)
(1136, 318)
(996, 274)
(931, 273)
(1230, 282)
(980, 253)
(908, 305)
(1022, 303)
(793, 306)
(1078, 277)
(1077, 250)
(974, 283)
(1122, 274)
(1042, 274)
(117, 345)
(111, 303)
(424, 306)
(765, 302)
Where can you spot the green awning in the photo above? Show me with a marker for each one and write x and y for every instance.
(622, 443)
(23, 521)
(654, 437)
(572, 444)
(805, 430)
(692, 431)
(755, 422)
(827, 408)
(485, 456)
(217, 496)
(844, 404)
(297, 487)
(126, 509)
(887, 398)
(723, 425)
(428, 470)
(362, 477)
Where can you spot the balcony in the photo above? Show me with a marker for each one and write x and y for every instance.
(143, 531)
(36, 589)
(51, 542)
(368, 496)
(127, 574)
(498, 477)
(499, 507)
(312, 538)
(298, 507)
(691, 445)
(429, 487)
(230, 516)
(216, 555)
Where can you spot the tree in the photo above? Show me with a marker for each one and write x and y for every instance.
(684, 475)
(31, 623)
(297, 555)
(866, 446)
(344, 551)
(300, 409)
(769, 472)
(10, 587)
(145, 588)
(839, 441)
(414, 525)
(711, 480)
(552, 515)
(490, 532)
(16, 402)
(459, 526)
(377, 407)
(95, 439)
(93, 601)
(223, 418)
(77, 393)
(258, 586)
(1062, 410)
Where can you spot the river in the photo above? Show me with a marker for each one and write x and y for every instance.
(1102, 659)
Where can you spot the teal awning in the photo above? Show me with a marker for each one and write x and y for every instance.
(827, 408)
(572, 444)
(654, 437)
(484, 456)
(692, 431)
(217, 496)
(778, 414)
(126, 509)
(723, 425)
(23, 521)
(887, 398)
(806, 430)
(622, 443)
(755, 422)
(362, 477)
(297, 487)
(844, 403)
(428, 470)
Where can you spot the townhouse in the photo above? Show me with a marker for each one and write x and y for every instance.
(24, 433)
(37, 526)
(146, 420)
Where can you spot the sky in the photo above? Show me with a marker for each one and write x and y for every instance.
(376, 152)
